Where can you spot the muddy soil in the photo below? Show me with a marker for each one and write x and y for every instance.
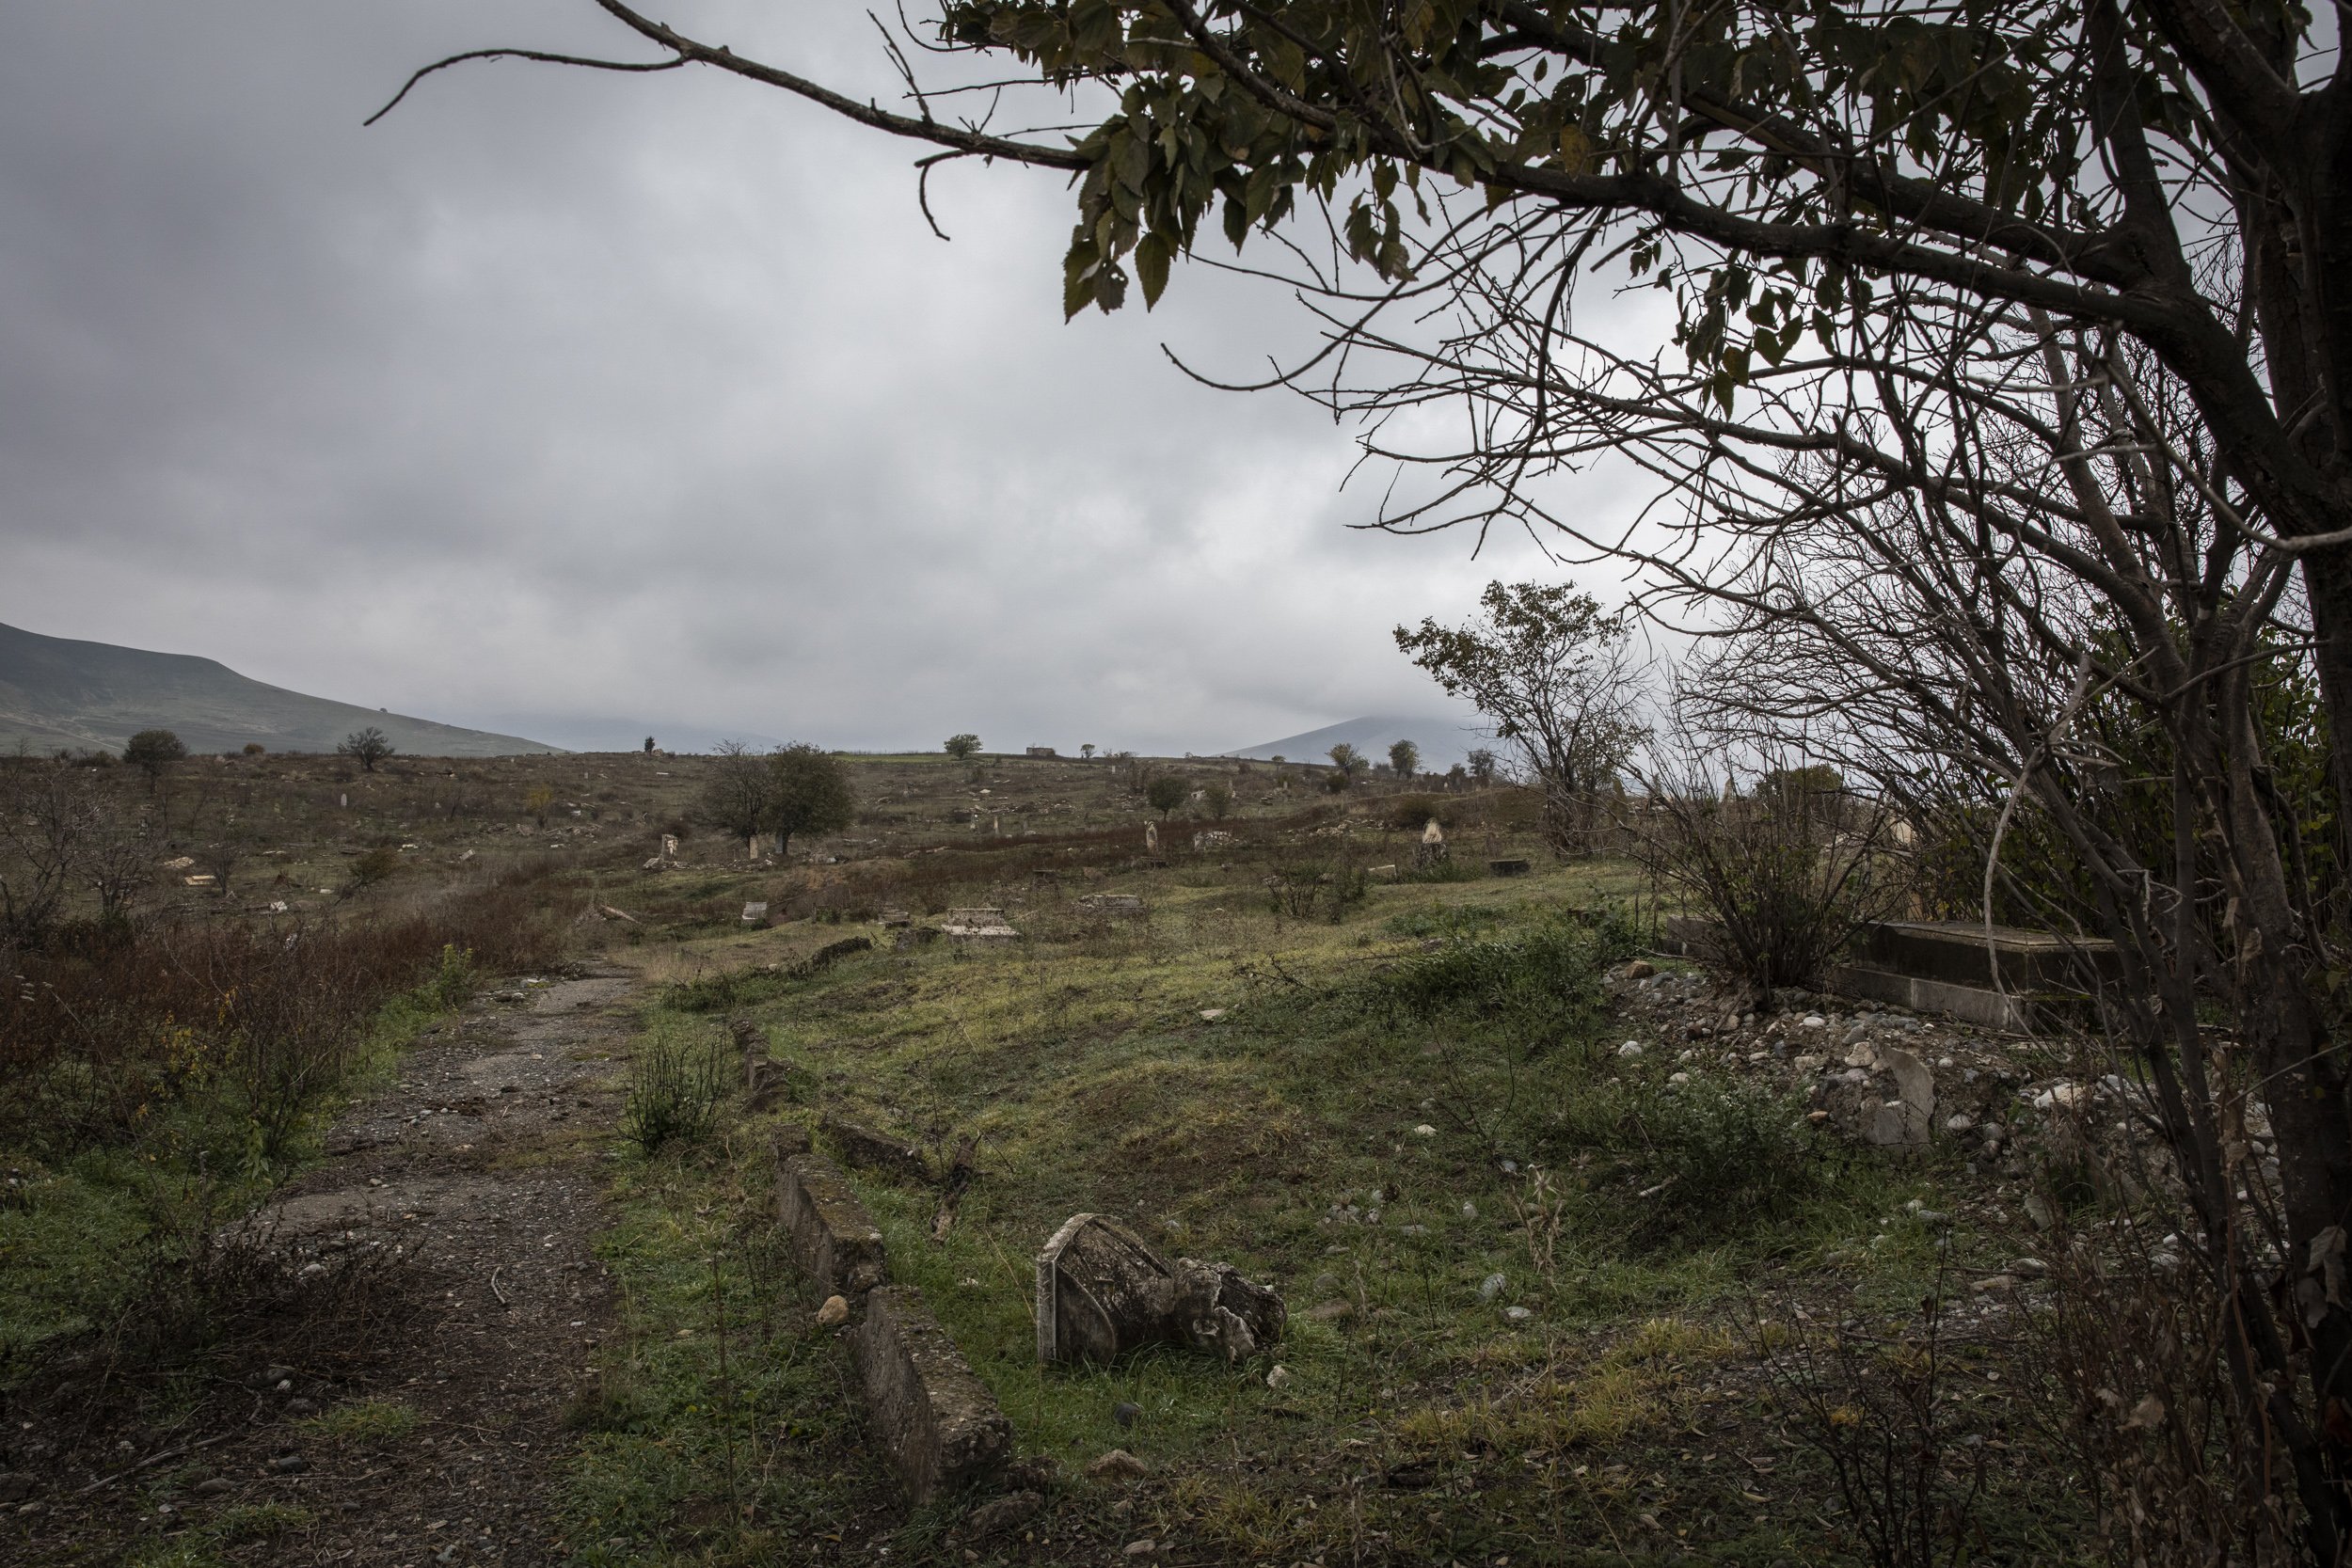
(431, 1430)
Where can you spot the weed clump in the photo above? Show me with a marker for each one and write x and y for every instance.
(676, 1084)
(1708, 1155)
(1533, 993)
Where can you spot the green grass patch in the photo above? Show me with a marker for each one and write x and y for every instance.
(365, 1421)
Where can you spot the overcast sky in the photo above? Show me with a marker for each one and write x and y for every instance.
(559, 396)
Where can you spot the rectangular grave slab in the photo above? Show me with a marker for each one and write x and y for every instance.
(833, 1238)
(976, 925)
(938, 1422)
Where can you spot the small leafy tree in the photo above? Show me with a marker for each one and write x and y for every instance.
(1557, 677)
(1347, 759)
(1218, 797)
(809, 793)
(255, 749)
(365, 747)
(536, 801)
(1087, 750)
(1166, 793)
(963, 748)
(648, 745)
(152, 751)
(1404, 757)
(1482, 767)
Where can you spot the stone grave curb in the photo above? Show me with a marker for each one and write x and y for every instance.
(938, 1422)
(833, 1238)
(937, 1418)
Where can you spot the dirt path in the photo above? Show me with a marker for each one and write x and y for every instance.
(474, 1181)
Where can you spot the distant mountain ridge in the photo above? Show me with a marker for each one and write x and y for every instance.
(1443, 742)
(57, 692)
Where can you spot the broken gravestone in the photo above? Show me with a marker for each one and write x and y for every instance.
(1904, 1120)
(1432, 849)
(1151, 838)
(756, 914)
(1101, 1293)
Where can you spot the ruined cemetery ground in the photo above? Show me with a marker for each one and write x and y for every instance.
(1548, 1303)
(1550, 1299)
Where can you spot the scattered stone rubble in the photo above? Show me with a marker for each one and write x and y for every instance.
(1884, 1076)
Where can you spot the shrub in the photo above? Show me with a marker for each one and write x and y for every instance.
(255, 749)
(1410, 814)
(1305, 888)
(1710, 1154)
(1534, 992)
(152, 751)
(372, 868)
(453, 982)
(1218, 797)
(963, 748)
(1784, 874)
(1166, 793)
(367, 747)
(675, 1083)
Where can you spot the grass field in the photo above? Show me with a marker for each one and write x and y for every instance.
(1548, 1303)
(1505, 1344)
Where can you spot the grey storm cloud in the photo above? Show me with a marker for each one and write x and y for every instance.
(571, 395)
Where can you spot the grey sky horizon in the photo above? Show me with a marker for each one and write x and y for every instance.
(561, 393)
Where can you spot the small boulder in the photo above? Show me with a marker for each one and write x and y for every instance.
(1007, 1512)
(1118, 1465)
(834, 1313)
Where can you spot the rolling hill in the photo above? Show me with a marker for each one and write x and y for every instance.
(59, 692)
(1443, 742)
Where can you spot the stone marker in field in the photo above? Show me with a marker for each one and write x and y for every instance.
(1151, 838)
(756, 914)
(977, 925)
(1122, 904)
(669, 846)
(1904, 1120)
(1432, 849)
(1101, 1293)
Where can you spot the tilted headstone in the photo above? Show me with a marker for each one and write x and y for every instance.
(1101, 1293)
(754, 914)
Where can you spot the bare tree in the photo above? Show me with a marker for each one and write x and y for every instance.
(41, 827)
(739, 792)
(60, 830)
(1557, 677)
(367, 747)
(115, 859)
